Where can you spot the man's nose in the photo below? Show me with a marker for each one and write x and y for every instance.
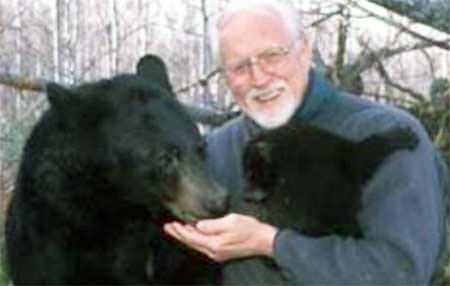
(258, 77)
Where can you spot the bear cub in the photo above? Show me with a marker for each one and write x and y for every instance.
(102, 170)
(308, 179)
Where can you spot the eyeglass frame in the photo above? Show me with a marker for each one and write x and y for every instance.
(246, 63)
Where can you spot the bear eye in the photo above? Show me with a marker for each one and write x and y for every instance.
(170, 156)
(168, 163)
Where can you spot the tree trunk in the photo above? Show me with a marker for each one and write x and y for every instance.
(113, 37)
(57, 40)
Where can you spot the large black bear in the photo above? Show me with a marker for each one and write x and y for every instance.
(102, 170)
(306, 178)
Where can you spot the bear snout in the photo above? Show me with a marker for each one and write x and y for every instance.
(218, 204)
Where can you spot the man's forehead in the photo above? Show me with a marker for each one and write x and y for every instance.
(259, 14)
(248, 34)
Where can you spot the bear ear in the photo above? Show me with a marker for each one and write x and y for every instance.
(58, 96)
(152, 68)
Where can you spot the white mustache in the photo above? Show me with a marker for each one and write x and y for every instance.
(267, 92)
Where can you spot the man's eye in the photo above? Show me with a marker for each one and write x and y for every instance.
(240, 68)
(270, 57)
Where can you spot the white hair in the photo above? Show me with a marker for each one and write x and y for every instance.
(288, 14)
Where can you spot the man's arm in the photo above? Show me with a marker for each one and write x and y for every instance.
(402, 225)
(403, 218)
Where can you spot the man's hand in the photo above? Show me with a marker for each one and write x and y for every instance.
(229, 237)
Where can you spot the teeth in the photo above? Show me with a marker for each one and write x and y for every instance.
(268, 95)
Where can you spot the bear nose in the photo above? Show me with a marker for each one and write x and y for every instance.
(218, 205)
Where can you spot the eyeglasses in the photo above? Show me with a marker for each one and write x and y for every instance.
(268, 60)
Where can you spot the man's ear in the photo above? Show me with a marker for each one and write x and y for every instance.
(152, 68)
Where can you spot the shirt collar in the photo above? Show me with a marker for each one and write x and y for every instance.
(319, 91)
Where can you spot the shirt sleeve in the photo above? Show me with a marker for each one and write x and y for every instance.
(403, 222)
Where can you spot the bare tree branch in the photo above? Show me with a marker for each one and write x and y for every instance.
(443, 44)
(341, 46)
(368, 57)
(435, 13)
(390, 98)
(209, 116)
(202, 81)
(326, 17)
(22, 83)
(387, 78)
(199, 114)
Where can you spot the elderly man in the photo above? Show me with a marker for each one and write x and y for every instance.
(266, 58)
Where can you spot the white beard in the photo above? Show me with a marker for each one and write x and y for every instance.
(271, 107)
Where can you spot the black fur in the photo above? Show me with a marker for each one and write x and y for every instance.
(305, 178)
(98, 174)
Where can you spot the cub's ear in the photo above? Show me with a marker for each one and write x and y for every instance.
(152, 68)
(59, 96)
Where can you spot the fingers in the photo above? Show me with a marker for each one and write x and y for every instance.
(170, 229)
(188, 233)
(219, 225)
(190, 236)
(217, 247)
(213, 226)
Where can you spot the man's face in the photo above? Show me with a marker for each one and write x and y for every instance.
(266, 68)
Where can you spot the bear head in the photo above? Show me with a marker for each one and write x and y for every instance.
(136, 141)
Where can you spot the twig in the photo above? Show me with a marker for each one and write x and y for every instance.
(202, 82)
(382, 71)
(22, 83)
